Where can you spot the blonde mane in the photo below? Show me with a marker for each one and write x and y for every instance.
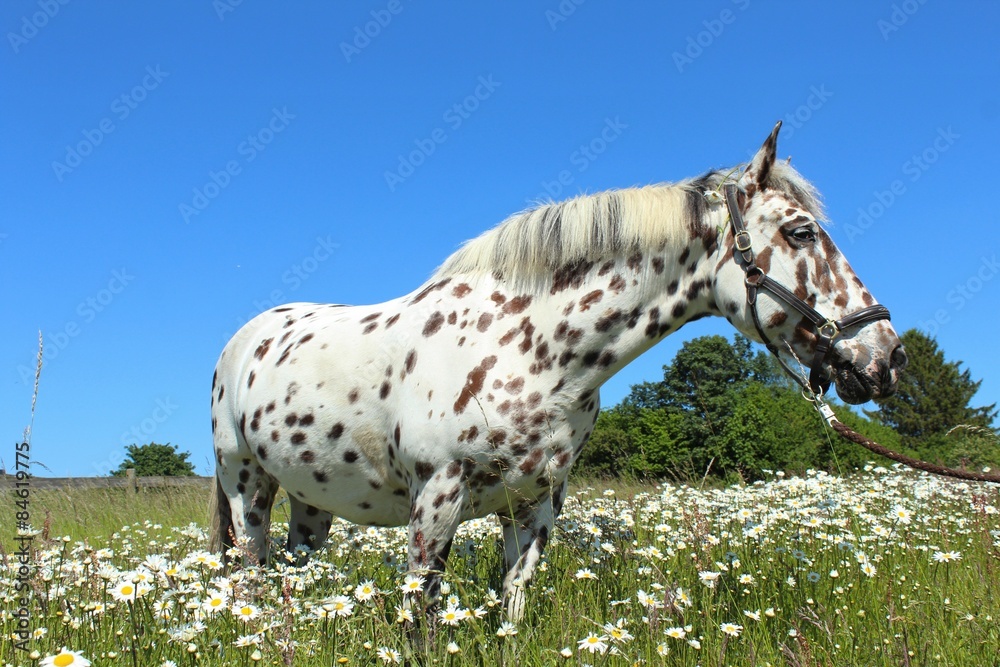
(606, 224)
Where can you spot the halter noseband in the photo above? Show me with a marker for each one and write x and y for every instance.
(825, 328)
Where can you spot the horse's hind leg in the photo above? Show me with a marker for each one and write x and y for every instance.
(525, 535)
(307, 525)
(249, 489)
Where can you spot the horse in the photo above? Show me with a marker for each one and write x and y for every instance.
(475, 393)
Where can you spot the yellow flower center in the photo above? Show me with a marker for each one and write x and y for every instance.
(64, 659)
(246, 611)
(126, 590)
(216, 602)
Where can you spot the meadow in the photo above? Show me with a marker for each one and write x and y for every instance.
(884, 567)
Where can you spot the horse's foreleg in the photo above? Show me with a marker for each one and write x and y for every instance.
(435, 514)
(525, 535)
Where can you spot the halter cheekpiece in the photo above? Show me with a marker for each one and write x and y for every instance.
(826, 329)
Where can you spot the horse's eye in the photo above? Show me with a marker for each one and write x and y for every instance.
(804, 235)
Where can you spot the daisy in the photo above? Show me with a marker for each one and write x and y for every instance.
(868, 569)
(946, 556)
(247, 640)
(755, 615)
(594, 643)
(452, 648)
(340, 605)
(646, 600)
(245, 612)
(731, 629)
(404, 615)
(124, 591)
(585, 573)
(708, 578)
(365, 591)
(66, 658)
(676, 633)
(901, 514)
(413, 583)
(450, 616)
(618, 632)
(506, 629)
(387, 655)
(215, 602)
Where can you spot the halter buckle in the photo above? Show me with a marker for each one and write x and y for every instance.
(743, 241)
(828, 329)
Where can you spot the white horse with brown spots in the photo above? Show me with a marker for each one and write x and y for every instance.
(474, 394)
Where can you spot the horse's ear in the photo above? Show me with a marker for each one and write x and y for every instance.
(757, 172)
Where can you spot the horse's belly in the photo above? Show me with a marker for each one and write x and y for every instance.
(346, 493)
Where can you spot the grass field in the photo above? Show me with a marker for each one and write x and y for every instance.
(884, 568)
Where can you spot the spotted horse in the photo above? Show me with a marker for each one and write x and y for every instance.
(474, 394)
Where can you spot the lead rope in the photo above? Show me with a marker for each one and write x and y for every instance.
(850, 434)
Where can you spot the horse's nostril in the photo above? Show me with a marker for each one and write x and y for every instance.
(898, 358)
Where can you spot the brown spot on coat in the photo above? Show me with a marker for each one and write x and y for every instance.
(433, 324)
(461, 290)
(590, 299)
(430, 288)
(485, 320)
(570, 275)
(517, 305)
(474, 383)
(262, 349)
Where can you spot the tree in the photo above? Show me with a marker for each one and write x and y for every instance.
(153, 460)
(933, 397)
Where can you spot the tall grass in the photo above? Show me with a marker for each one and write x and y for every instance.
(886, 568)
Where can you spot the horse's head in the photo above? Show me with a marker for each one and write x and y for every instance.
(824, 319)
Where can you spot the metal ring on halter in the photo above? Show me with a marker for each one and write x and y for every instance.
(756, 273)
(828, 329)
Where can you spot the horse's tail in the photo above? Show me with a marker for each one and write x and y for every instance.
(220, 519)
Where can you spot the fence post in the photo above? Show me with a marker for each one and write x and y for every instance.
(132, 480)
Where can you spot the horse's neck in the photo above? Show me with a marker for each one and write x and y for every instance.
(601, 315)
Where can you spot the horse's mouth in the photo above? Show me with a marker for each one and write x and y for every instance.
(858, 385)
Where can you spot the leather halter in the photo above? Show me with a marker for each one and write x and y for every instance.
(826, 329)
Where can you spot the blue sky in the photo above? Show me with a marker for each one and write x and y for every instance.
(172, 169)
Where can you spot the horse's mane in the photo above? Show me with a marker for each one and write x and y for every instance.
(612, 223)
